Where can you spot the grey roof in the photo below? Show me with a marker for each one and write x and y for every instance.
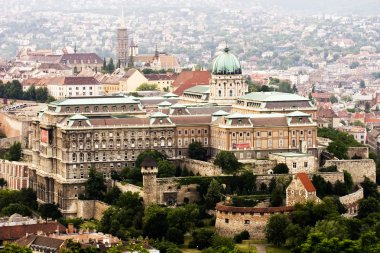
(200, 89)
(78, 117)
(298, 114)
(149, 162)
(170, 95)
(273, 96)
(95, 101)
(220, 113)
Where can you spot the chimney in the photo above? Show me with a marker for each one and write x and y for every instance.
(70, 228)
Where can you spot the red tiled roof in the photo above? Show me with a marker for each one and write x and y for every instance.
(10, 233)
(157, 77)
(188, 79)
(306, 182)
(74, 80)
(79, 57)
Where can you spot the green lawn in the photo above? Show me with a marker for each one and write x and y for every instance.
(246, 247)
(274, 249)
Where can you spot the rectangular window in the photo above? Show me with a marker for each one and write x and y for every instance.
(305, 164)
(247, 222)
(258, 134)
(206, 141)
(179, 142)
(226, 220)
(294, 165)
(179, 132)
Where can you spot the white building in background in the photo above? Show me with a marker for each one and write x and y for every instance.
(62, 87)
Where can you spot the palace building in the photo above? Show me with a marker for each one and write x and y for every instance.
(73, 135)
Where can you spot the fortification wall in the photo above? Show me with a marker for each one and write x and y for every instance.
(358, 151)
(259, 166)
(129, 188)
(351, 201)
(357, 168)
(170, 188)
(234, 220)
(10, 126)
(201, 167)
(85, 209)
(100, 208)
(91, 209)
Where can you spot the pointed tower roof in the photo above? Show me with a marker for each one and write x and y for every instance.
(122, 19)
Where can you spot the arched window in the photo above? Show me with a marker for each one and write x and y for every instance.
(219, 93)
(231, 93)
(74, 157)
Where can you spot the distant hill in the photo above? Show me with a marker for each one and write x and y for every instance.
(359, 7)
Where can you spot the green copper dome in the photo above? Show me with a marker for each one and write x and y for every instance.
(226, 64)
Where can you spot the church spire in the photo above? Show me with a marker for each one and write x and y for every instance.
(156, 54)
(122, 20)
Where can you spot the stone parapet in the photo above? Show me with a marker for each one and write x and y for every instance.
(231, 220)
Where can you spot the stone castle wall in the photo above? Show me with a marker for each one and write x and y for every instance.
(130, 188)
(172, 187)
(91, 209)
(231, 221)
(363, 152)
(331, 177)
(259, 166)
(351, 201)
(357, 168)
(201, 167)
(11, 126)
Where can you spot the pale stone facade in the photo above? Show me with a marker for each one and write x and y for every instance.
(231, 221)
(357, 168)
(15, 173)
(300, 190)
(296, 162)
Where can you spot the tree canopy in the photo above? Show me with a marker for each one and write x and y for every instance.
(197, 151)
(227, 161)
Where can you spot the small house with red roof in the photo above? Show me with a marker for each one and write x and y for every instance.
(300, 190)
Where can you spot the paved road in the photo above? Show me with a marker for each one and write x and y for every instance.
(260, 247)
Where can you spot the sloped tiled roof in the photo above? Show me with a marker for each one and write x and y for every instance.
(306, 182)
(15, 232)
(188, 79)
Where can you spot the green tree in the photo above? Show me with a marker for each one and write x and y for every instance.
(30, 93)
(49, 210)
(281, 168)
(368, 206)
(42, 94)
(147, 87)
(333, 99)
(369, 188)
(277, 196)
(153, 153)
(110, 66)
(227, 161)
(95, 185)
(338, 148)
(16, 208)
(197, 151)
(201, 238)
(275, 230)
(112, 196)
(213, 194)
(3, 183)
(14, 248)
(15, 152)
(166, 168)
(155, 224)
